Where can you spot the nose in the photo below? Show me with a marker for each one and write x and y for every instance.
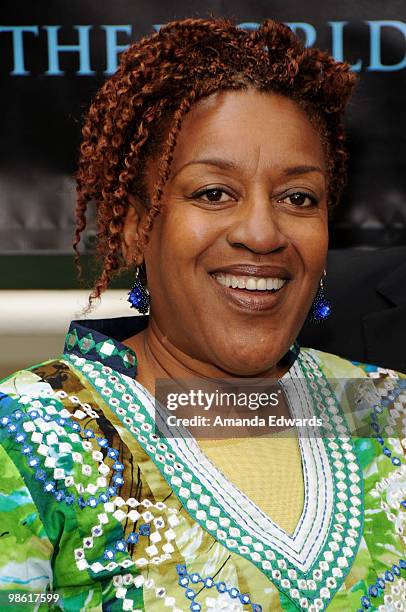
(256, 226)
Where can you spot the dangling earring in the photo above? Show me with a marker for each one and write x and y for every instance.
(139, 296)
(321, 308)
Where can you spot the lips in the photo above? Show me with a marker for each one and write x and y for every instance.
(253, 270)
(250, 287)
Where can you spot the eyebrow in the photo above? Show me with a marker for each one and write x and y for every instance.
(225, 164)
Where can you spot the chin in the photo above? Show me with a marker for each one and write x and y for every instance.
(247, 371)
(248, 365)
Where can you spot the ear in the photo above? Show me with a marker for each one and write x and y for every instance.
(132, 224)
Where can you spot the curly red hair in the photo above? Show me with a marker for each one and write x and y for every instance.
(158, 80)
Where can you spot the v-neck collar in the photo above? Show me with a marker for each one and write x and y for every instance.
(321, 550)
(302, 546)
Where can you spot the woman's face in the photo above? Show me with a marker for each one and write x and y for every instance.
(237, 253)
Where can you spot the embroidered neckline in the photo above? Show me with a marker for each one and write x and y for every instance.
(95, 346)
(84, 339)
(340, 539)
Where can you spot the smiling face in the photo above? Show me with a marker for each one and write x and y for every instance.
(237, 252)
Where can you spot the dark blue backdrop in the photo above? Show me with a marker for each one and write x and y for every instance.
(55, 55)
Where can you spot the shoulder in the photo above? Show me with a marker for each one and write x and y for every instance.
(43, 387)
(335, 366)
(37, 379)
(44, 412)
(23, 389)
(63, 433)
(34, 408)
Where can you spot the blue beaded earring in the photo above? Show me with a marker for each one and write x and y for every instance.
(139, 296)
(321, 308)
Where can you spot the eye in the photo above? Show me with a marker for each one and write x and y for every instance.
(213, 194)
(300, 199)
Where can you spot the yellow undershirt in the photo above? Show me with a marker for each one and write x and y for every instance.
(267, 470)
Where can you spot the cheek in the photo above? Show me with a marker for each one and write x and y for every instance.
(310, 240)
(181, 234)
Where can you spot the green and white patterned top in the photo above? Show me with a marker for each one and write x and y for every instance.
(98, 512)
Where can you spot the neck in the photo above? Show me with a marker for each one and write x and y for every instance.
(158, 357)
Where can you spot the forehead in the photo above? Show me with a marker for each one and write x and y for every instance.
(245, 125)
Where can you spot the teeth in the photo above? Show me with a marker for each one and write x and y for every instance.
(251, 283)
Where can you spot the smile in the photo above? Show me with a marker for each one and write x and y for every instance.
(250, 283)
(250, 293)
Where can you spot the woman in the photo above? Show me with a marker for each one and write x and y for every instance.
(213, 156)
